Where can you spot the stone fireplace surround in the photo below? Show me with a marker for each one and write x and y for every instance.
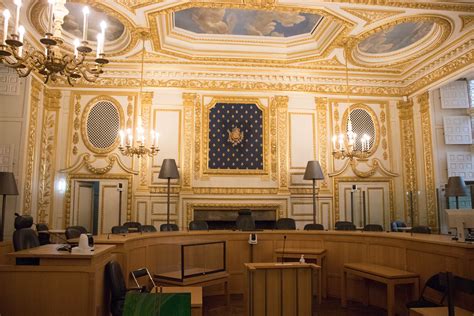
(225, 219)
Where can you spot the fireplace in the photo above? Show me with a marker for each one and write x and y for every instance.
(225, 219)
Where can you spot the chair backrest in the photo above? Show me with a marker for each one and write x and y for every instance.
(148, 229)
(421, 230)
(313, 227)
(434, 290)
(75, 232)
(43, 233)
(133, 226)
(41, 227)
(396, 224)
(141, 273)
(119, 230)
(346, 226)
(339, 223)
(115, 281)
(25, 238)
(169, 227)
(198, 225)
(286, 223)
(373, 228)
(23, 221)
(245, 220)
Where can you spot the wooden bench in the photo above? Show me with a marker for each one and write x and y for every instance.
(389, 276)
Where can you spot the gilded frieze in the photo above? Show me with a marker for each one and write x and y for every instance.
(430, 186)
(372, 16)
(36, 87)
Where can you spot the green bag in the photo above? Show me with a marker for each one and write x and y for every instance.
(157, 304)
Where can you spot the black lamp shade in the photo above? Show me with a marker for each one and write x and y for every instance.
(8, 184)
(313, 171)
(456, 187)
(169, 170)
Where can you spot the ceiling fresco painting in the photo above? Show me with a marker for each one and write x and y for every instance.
(228, 21)
(73, 23)
(395, 38)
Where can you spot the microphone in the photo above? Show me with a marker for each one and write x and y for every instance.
(283, 253)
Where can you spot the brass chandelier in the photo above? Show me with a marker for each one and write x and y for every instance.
(126, 146)
(339, 148)
(53, 60)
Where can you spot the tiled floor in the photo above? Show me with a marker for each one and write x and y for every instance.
(215, 306)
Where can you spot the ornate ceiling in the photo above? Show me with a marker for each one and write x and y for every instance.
(393, 42)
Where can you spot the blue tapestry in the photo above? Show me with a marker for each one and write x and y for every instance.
(235, 137)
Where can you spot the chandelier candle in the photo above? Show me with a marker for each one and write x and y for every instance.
(17, 17)
(6, 17)
(86, 12)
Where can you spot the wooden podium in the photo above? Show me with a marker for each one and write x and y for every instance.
(279, 289)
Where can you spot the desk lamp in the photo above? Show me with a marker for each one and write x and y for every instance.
(169, 171)
(456, 187)
(313, 172)
(7, 187)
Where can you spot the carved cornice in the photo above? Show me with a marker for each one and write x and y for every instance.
(467, 21)
(371, 16)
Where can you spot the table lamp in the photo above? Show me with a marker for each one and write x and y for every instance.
(169, 171)
(456, 187)
(7, 187)
(313, 172)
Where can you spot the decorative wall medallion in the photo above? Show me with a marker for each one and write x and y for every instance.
(235, 136)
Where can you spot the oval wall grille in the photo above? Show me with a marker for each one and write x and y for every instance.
(362, 123)
(103, 124)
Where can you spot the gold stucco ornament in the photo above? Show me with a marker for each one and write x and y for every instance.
(235, 136)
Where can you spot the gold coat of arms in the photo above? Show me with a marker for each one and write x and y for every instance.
(236, 136)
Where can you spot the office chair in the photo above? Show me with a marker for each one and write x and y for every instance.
(43, 233)
(396, 224)
(198, 225)
(169, 227)
(141, 273)
(286, 223)
(434, 287)
(421, 230)
(148, 229)
(245, 220)
(73, 232)
(24, 237)
(119, 230)
(133, 227)
(313, 227)
(118, 290)
(373, 228)
(345, 226)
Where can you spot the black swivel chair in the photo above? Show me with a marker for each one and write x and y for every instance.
(345, 226)
(43, 233)
(75, 231)
(148, 229)
(116, 283)
(169, 227)
(24, 237)
(373, 228)
(421, 230)
(286, 223)
(313, 227)
(119, 230)
(396, 224)
(133, 227)
(245, 220)
(198, 225)
(434, 286)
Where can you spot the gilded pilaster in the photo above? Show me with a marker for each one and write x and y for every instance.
(430, 191)
(146, 102)
(197, 139)
(273, 141)
(189, 100)
(407, 133)
(48, 144)
(76, 123)
(36, 87)
(282, 123)
(322, 130)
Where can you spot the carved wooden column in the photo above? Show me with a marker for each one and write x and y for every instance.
(189, 100)
(282, 125)
(48, 144)
(407, 134)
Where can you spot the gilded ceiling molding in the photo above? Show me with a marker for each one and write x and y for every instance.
(189, 103)
(323, 137)
(467, 21)
(428, 156)
(48, 147)
(412, 4)
(35, 96)
(146, 104)
(371, 15)
(408, 155)
(281, 103)
(351, 49)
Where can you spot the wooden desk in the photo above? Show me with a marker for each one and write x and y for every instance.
(196, 296)
(319, 255)
(387, 275)
(438, 311)
(62, 283)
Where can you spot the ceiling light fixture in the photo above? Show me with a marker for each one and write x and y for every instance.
(53, 61)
